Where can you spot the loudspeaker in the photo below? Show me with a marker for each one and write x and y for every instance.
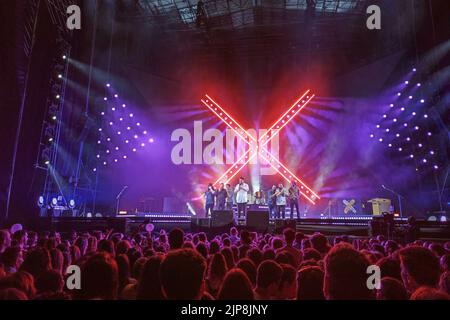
(258, 220)
(221, 218)
(281, 224)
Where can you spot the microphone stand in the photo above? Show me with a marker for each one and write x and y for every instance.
(399, 198)
(118, 198)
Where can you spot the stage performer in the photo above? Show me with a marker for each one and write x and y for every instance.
(271, 201)
(221, 196)
(294, 197)
(230, 196)
(241, 191)
(281, 201)
(209, 197)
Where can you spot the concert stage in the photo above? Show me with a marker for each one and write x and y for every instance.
(356, 226)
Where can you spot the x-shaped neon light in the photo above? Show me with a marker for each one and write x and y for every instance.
(262, 142)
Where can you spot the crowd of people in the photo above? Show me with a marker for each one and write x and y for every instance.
(236, 265)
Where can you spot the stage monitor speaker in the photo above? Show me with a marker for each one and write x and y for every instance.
(258, 220)
(281, 224)
(200, 222)
(221, 218)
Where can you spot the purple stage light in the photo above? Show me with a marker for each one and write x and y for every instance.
(397, 135)
(151, 140)
(64, 57)
(115, 160)
(381, 139)
(127, 141)
(405, 124)
(416, 128)
(124, 105)
(117, 148)
(138, 124)
(134, 150)
(402, 108)
(435, 167)
(408, 139)
(371, 135)
(98, 156)
(385, 116)
(102, 113)
(95, 169)
(414, 69)
(119, 133)
(424, 160)
(432, 152)
(425, 116)
(145, 132)
(422, 101)
(131, 115)
(99, 142)
(410, 97)
(109, 139)
(429, 134)
(418, 84)
(411, 156)
(104, 163)
(399, 94)
(136, 136)
(420, 145)
(108, 152)
(142, 144)
(116, 95)
(395, 119)
(111, 123)
(113, 109)
(105, 98)
(58, 96)
(100, 129)
(390, 145)
(121, 119)
(413, 114)
(391, 105)
(400, 149)
(378, 126)
(128, 128)
(125, 157)
(387, 130)
(406, 82)
(108, 85)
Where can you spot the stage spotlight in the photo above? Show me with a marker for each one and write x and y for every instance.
(108, 85)
(372, 135)
(151, 140)
(395, 119)
(431, 152)
(399, 94)
(420, 145)
(391, 105)
(98, 156)
(135, 136)
(128, 128)
(390, 145)
(385, 116)
(95, 169)
(402, 109)
(145, 132)
(119, 133)
(102, 113)
(406, 82)
(58, 96)
(115, 160)
(138, 124)
(116, 95)
(378, 126)
(131, 115)
(419, 84)
(71, 204)
(108, 139)
(121, 119)
(397, 135)
(124, 105)
(134, 150)
(387, 130)
(108, 152)
(104, 163)
(411, 156)
(422, 101)
(381, 139)
(400, 149)
(60, 76)
(429, 134)
(54, 118)
(100, 129)
(50, 140)
(408, 139)
(54, 202)
(424, 160)
(47, 162)
(416, 128)
(111, 123)
(41, 201)
(105, 98)
(414, 69)
(113, 109)
(413, 114)
(142, 144)
(117, 148)
(410, 97)
(127, 141)
(124, 157)
(405, 124)
(425, 116)
(64, 57)
(435, 167)
(99, 142)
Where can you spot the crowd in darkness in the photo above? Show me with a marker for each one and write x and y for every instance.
(231, 266)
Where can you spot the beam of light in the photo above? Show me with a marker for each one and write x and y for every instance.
(230, 169)
(242, 166)
(291, 174)
(286, 178)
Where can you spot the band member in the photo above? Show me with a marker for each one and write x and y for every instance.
(209, 197)
(294, 197)
(259, 198)
(229, 199)
(241, 191)
(221, 197)
(271, 201)
(281, 201)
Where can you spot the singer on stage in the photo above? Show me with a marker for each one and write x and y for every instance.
(241, 191)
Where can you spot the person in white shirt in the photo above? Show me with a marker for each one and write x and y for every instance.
(241, 191)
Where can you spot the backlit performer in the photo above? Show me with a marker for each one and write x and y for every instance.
(241, 191)
(294, 197)
(209, 199)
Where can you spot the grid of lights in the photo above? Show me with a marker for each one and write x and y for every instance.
(121, 134)
(262, 142)
(404, 126)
